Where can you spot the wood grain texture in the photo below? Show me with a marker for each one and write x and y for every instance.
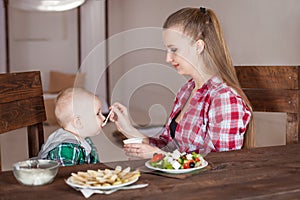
(274, 89)
(273, 100)
(268, 77)
(22, 105)
(292, 128)
(35, 138)
(17, 86)
(260, 173)
(18, 114)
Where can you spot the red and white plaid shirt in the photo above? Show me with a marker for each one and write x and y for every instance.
(215, 120)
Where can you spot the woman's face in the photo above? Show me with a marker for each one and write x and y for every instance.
(181, 51)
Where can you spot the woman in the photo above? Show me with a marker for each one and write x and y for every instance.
(211, 112)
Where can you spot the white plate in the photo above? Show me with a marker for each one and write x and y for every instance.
(178, 171)
(68, 181)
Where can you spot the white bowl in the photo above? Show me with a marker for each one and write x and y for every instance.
(35, 172)
(133, 140)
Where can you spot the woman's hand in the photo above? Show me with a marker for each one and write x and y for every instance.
(121, 118)
(141, 150)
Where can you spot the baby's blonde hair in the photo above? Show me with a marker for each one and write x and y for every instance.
(64, 105)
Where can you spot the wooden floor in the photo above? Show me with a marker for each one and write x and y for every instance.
(270, 129)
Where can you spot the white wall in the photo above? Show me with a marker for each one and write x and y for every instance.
(93, 47)
(264, 32)
(43, 41)
(258, 32)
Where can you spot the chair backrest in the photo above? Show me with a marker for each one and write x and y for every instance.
(22, 105)
(274, 89)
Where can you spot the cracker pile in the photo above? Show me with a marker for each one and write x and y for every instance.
(107, 177)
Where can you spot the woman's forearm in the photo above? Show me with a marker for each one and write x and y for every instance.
(133, 133)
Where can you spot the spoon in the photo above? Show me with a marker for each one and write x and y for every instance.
(106, 120)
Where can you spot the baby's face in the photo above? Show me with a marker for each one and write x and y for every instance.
(91, 117)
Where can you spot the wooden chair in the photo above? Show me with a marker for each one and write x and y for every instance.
(22, 105)
(274, 89)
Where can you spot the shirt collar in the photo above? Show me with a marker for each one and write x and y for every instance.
(215, 80)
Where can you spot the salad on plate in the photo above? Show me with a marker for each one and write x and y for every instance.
(176, 162)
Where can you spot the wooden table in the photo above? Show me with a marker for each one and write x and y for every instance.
(261, 173)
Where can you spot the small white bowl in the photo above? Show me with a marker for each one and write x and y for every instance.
(35, 172)
(133, 140)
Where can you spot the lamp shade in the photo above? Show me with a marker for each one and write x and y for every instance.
(45, 5)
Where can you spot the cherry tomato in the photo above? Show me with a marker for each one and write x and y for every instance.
(157, 157)
(186, 165)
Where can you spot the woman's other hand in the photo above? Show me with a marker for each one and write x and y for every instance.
(142, 151)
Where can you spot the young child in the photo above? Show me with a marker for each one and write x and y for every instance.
(78, 112)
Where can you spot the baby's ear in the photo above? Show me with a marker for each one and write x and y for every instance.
(77, 122)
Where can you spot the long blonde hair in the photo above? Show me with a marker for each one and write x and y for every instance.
(203, 24)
